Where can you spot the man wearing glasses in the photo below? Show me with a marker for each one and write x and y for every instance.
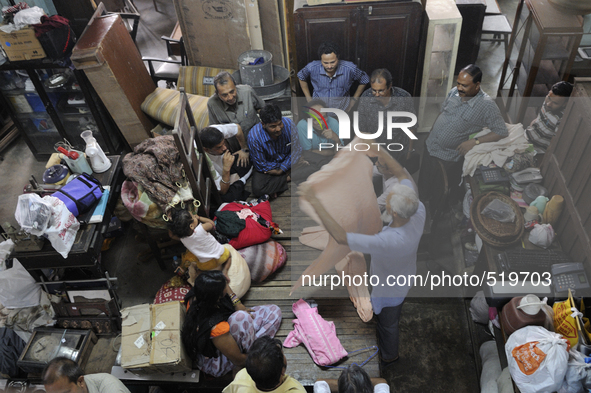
(383, 97)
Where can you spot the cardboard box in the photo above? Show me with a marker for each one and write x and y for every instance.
(151, 338)
(21, 45)
(224, 22)
(136, 339)
(168, 353)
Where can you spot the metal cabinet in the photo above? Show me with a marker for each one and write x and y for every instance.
(49, 103)
(541, 52)
(441, 50)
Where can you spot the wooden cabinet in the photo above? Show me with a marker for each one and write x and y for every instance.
(374, 35)
(49, 103)
(541, 52)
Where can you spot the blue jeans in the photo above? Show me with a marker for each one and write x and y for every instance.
(388, 332)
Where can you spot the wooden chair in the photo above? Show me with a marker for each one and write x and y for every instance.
(169, 68)
(196, 169)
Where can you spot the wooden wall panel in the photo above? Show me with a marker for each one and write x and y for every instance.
(271, 28)
(566, 170)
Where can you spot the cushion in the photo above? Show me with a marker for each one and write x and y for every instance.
(264, 259)
(163, 105)
(199, 80)
(170, 293)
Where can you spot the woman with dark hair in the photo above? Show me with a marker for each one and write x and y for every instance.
(218, 329)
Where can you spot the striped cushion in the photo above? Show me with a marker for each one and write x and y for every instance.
(199, 80)
(163, 105)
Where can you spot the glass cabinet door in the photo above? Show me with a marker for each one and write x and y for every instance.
(30, 110)
(70, 104)
(443, 36)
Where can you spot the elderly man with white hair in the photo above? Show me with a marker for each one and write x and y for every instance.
(393, 252)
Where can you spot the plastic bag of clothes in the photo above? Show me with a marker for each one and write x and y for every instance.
(537, 359)
(576, 373)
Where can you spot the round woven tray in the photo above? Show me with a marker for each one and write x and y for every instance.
(510, 237)
(501, 231)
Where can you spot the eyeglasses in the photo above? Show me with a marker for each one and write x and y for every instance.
(379, 92)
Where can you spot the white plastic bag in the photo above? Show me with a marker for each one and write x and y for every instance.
(542, 235)
(537, 359)
(6, 248)
(64, 226)
(33, 214)
(28, 16)
(575, 373)
(17, 288)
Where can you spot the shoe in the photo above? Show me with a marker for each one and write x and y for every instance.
(384, 364)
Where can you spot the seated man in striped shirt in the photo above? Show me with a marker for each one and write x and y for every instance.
(332, 78)
(543, 128)
(274, 149)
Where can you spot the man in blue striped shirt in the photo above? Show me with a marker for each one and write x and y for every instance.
(332, 78)
(273, 146)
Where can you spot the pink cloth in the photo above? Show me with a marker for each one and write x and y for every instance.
(318, 335)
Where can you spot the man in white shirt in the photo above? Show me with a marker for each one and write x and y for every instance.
(64, 375)
(230, 170)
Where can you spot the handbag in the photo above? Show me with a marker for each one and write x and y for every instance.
(80, 194)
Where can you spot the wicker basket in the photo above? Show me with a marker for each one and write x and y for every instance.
(502, 231)
(493, 232)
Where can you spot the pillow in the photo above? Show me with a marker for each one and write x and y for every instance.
(264, 259)
(199, 80)
(163, 106)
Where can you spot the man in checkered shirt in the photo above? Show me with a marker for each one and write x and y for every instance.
(466, 110)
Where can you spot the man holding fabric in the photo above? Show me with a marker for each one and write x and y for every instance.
(393, 251)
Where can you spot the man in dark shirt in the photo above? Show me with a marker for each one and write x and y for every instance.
(383, 97)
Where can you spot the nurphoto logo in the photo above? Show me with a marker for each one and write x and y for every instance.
(392, 123)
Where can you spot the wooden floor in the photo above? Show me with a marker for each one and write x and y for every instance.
(352, 332)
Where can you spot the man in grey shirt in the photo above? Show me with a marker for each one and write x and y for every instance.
(466, 110)
(376, 102)
(64, 375)
(233, 104)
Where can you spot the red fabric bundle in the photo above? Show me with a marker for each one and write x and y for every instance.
(254, 233)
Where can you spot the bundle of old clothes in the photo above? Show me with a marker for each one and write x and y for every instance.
(155, 166)
(246, 224)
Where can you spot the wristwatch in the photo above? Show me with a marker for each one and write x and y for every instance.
(477, 141)
(246, 150)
